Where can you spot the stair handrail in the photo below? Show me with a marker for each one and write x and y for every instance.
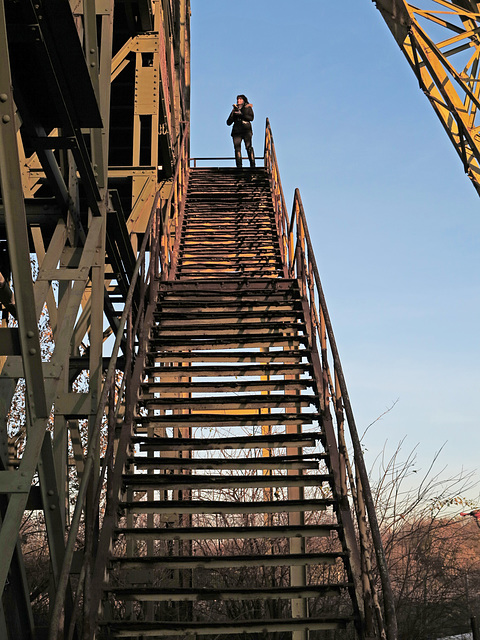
(300, 263)
(281, 212)
(172, 218)
(147, 271)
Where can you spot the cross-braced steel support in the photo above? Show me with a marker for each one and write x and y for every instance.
(78, 179)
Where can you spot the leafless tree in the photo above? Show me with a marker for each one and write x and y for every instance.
(432, 554)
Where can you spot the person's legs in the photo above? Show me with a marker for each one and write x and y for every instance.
(250, 152)
(237, 143)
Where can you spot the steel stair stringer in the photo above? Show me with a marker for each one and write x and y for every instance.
(339, 485)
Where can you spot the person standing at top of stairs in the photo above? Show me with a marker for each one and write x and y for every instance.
(241, 117)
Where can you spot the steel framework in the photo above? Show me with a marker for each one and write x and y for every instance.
(440, 39)
(94, 103)
(94, 169)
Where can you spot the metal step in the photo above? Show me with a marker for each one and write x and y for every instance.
(128, 563)
(243, 286)
(228, 533)
(223, 224)
(230, 420)
(250, 266)
(196, 254)
(257, 340)
(226, 308)
(197, 297)
(171, 481)
(292, 356)
(132, 629)
(234, 273)
(219, 386)
(230, 330)
(279, 401)
(266, 369)
(265, 464)
(188, 318)
(276, 441)
(222, 506)
(155, 594)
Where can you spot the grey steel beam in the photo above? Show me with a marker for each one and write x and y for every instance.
(17, 236)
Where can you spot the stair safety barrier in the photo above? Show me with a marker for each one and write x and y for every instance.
(172, 217)
(299, 263)
(154, 261)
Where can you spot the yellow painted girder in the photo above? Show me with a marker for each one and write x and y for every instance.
(451, 83)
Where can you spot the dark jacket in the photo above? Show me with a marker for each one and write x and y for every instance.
(241, 120)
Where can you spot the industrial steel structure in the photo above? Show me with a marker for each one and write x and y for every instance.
(441, 43)
(175, 417)
(94, 111)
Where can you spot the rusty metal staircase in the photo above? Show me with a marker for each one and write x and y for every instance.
(229, 226)
(234, 517)
(180, 460)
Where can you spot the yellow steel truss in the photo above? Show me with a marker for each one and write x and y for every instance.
(441, 41)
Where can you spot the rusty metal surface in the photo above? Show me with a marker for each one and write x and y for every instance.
(214, 400)
(232, 350)
(80, 218)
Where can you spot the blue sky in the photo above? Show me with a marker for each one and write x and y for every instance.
(394, 220)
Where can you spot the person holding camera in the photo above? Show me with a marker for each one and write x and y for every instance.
(241, 118)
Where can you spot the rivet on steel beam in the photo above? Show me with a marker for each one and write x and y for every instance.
(32, 351)
(52, 507)
(6, 118)
(50, 492)
(92, 50)
(30, 334)
(92, 64)
(3, 97)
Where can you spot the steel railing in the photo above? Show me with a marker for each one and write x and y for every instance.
(156, 256)
(299, 263)
(172, 217)
(193, 161)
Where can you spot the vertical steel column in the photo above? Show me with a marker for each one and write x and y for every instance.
(18, 245)
(17, 236)
(99, 141)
